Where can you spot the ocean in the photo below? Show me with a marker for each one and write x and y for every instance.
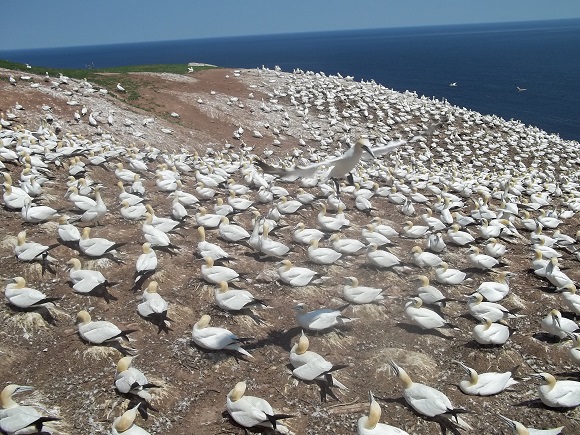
(488, 62)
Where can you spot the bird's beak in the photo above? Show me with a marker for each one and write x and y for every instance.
(368, 150)
(22, 388)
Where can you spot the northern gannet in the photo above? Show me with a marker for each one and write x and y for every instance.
(67, 232)
(304, 235)
(161, 223)
(269, 247)
(555, 324)
(309, 366)
(425, 259)
(16, 419)
(490, 310)
(86, 280)
(458, 237)
(424, 317)
(154, 307)
(381, 259)
(485, 384)
(412, 231)
(574, 351)
(488, 332)
(558, 394)
(370, 235)
(215, 338)
(132, 212)
(20, 296)
(435, 243)
(207, 249)
(207, 220)
(129, 380)
(36, 214)
(125, 424)
(100, 331)
(429, 294)
(494, 291)
(215, 274)
(321, 319)
(320, 255)
(96, 213)
(329, 223)
(445, 275)
(250, 411)
(146, 264)
(356, 294)
(519, 429)
(32, 251)
(295, 276)
(96, 246)
(369, 424)
(340, 167)
(230, 232)
(424, 399)
(346, 246)
(234, 299)
(155, 236)
(479, 260)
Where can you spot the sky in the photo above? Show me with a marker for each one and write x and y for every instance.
(27, 24)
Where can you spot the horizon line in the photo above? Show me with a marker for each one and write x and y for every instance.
(308, 32)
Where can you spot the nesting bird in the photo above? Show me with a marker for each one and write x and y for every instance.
(321, 319)
(485, 384)
(369, 424)
(309, 366)
(250, 411)
(215, 338)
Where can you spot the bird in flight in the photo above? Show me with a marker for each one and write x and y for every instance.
(521, 89)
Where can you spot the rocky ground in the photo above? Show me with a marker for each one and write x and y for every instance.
(75, 381)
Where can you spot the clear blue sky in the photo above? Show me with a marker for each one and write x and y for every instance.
(31, 24)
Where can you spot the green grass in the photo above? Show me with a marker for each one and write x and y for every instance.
(105, 77)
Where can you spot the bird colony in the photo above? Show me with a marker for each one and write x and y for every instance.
(351, 260)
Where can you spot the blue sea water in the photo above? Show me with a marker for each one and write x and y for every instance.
(487, 61)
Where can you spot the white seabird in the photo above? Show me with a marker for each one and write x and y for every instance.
(445, 275)
(310, 366)
(356, 294)
(250, 411)
(485, 384)
(130, 380)
(153, 307)
(96, 246)
(86, 280)
(20, 296)
(319, 255)
(234, 299)
(100, 331)
(295, 276)
(215, 274)
(558, 394)
(215, 338)
(488, 332)
(519, 429)
(490, 310)
(125, 424)
(321, 319)
(555, 324)
(494, 291)
(424, 317)
(424, 399)
(369, 424)
(18, 419)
